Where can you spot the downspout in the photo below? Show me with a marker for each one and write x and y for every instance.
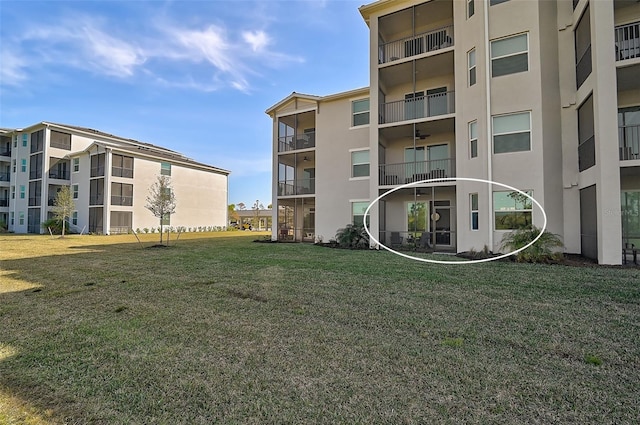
(487, 75)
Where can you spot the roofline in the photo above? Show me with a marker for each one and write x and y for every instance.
(366, 10)
(318, 99)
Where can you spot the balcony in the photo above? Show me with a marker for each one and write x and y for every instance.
(629, 142)
(301, 141)
(4, 202)
(409, 172)
(5, 177)
(416, 45)
(431, 105)
(59, 174)
(5, 152)
(627, 41)
(126, 201)
(297, 187)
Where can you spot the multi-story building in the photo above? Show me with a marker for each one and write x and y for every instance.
(109, 177)
(543, 96)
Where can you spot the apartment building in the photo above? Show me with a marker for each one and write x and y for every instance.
(543, 96)
(109, 176)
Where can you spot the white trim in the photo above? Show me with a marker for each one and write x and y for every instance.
(491, 58)
(296, 111)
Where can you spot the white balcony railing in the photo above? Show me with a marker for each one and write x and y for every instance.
(627, 41)
(418, 107)
(629, 142)
(409, 172)
(416, 45)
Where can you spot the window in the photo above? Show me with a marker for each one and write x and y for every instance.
(37, 141)
(494, 2)
(13, 192)
(35, 193)
(166, 219)
(74, 218)
(360, 111)
(13, 217)
(74, 190)
(121, 194)
(21, 218)
(96, 192)
(165, 169)
(471, 59)
(473, 139)
(357, 212)
(97, 165)
(23, 165)
(122, 166)
(473, 201)
(25, 140)
(14, 165)
(512, 210)
(360, 163)
(60, 140)
(586, 137)
(470, 8)
(582, 38)
(76, 165)
(15, 141)
(512, 133)
(510, 55)
(23, 192)
(35, 166)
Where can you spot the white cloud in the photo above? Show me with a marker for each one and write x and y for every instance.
(256, 39)
(12, 71)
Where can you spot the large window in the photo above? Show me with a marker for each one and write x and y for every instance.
(165, 168)
(510, 55)
(35, 193)
(512, 210)
(122, 166)
(586, 137)
(37, 141)
(471, 63)
(360, 163)
(35, 166)
(58, 168)
(120, 221)
(473, 139)
(96, 192)
(360, 111)
(582, 36)
(512, 133)
(97, 165)
(357, 212)
(121, 194)
(630, 208)
(60, 140)
(473, 206)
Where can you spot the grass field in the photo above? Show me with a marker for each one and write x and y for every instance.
(217, 329)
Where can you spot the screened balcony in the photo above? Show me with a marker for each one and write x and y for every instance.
(418, 106)
(409, 172)
(627, 39)
(629, 142)
(297, 131)
(297, 187)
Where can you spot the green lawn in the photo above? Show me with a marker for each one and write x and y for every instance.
(217, 329)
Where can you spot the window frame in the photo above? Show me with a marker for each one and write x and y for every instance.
(25, 140)
(75, 164)
(21, 218)
(360, 113)
(494, 134)
(74, 218)
(23, 191)
(165, 169)
(473, 141)
(75, 190)
(471, 68)
(512, 54)
(358, 203)
(474, 213)
(514, 211)
(354, 164)
(471, 8)
(23, 165)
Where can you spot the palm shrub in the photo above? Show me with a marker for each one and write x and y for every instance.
(542, 251)
(353, 236)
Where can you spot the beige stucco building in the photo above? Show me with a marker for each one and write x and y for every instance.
(109, 177)
(543, 96)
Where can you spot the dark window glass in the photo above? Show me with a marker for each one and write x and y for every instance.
(60, 140)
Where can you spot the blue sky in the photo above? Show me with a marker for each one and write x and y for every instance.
(193, 76)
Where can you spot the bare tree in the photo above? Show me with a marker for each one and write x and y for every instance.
(161, 200)
(63, 206)
(257, 206)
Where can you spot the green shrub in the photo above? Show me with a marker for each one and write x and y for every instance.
(353, 236)
(56, 226)
(542, 251)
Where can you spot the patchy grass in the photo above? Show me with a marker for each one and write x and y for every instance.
(218, 329)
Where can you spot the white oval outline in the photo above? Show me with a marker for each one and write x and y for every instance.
(446, 179)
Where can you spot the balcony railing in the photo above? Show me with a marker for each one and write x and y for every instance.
(34, 201)
(409, 172)
(5, 152)
(118, 230)
(122, 200)
(416, 45)
(418, 107)
(61, 175)
(4, 202)
(96, 200)
(629, 141)
(627, 41)
(301, 141)
(297, 187)
(5, 177)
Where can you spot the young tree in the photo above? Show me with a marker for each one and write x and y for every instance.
(63, 206)
(257, 206)
(161, 200)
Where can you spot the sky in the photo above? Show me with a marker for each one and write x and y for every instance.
(192, 76)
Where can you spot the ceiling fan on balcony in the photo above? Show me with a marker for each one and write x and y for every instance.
(421, 136)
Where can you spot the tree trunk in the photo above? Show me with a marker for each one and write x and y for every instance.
(160, 231)
(63, 223)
